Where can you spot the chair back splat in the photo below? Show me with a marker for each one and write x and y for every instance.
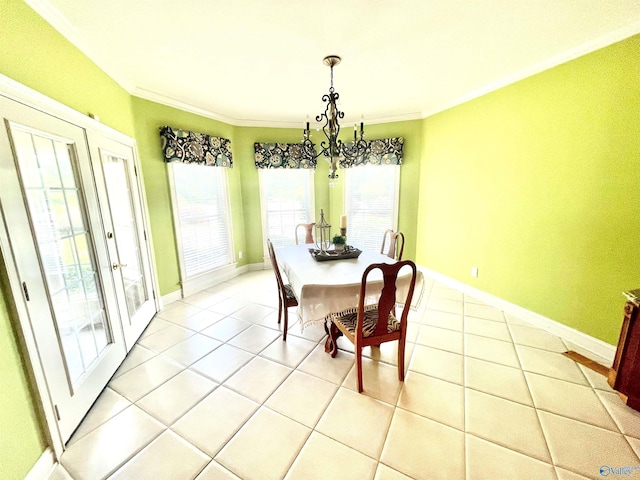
(308, 232)
(396, 244)
(286, 297)
(375, 323)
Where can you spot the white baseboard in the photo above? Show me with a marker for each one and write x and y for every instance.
(43, 468)
(590, 346)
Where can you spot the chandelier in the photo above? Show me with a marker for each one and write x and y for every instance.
(334, 148)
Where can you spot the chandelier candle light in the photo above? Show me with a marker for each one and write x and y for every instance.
(335, 148)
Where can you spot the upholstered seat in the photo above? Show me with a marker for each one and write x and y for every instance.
(370, 321)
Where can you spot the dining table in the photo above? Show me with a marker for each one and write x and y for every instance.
(324, 288)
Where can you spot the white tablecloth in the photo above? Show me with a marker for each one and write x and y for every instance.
(334, 286)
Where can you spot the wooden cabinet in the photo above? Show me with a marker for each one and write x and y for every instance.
(624, 375)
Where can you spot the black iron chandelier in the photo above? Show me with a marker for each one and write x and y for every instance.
(335, 148)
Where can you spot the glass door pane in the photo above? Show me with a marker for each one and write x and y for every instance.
(125, 230)
(64, 245)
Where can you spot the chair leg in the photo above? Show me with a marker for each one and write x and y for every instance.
(401, 361)
(359, 368)
(286, 323)
(279, 309)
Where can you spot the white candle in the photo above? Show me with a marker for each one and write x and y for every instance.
(343, 221)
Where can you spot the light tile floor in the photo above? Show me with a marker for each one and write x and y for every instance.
(211, 391)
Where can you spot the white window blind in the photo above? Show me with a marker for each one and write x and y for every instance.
(201, 209)
(371, 195)
(287, 200)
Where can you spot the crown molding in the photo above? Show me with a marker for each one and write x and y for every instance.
(584, 49)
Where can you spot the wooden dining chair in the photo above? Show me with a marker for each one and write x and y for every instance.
(308, 232)
(286, 297)
(371, 325)
(396, 244)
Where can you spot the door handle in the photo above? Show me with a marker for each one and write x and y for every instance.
(116, 266)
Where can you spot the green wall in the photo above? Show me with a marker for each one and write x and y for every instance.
(536, 184)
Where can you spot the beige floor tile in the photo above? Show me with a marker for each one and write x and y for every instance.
(635, 444)
(551, 364)
(596, 380)
(484, 311)
(379, 381)
(293, 400)
(314, 332)
(514, 320)
(510, 424)
(230, 305)
(472, 299)
(386, 352)
(136, 356)
(351, 417)
(441, 338)
(197, 321)
(387, 473)
(177, 310)
(101, 452)
(323, 458)
(627, 419)
(168, 456)
(437, 363)
(59, 473)
(570, 400)
(223, 362)
(451, 321)
(583, 448)
(265, 447)
(445, 305)
(156, 324)
(447, 293)
(567, 475)
(171, 400)
(492, 350)
(487, 328)
(254, 339)
(536, 337)
(433, 398)
(289, 353)
(204, 299)
(212, 422)
(411, 447)
(192, 349)
(107, 406)
(226, 329)
(165, 338)
(271, 320)
(487, 460)
(139, 381)
(496, 379)
(320, 364)
(251, 312)
(215, 471)
(258, 379)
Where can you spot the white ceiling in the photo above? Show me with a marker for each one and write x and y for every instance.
(259, 62)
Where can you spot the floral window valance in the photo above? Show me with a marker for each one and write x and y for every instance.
(190, 147)
(384, 151)
(282, 155)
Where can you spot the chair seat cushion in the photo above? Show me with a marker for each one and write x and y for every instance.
(348, 320)
(289, 292)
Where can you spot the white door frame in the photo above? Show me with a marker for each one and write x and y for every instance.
(16, 91)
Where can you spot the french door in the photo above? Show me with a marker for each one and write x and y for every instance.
(69, 232)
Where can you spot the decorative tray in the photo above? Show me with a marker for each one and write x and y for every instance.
(348, 252)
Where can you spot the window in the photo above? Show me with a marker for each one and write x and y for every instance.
(371, 195)
(201, 213)
(287, 200)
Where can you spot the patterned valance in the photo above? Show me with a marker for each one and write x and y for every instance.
(384, 151)
(190, 147)
(282, 155)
